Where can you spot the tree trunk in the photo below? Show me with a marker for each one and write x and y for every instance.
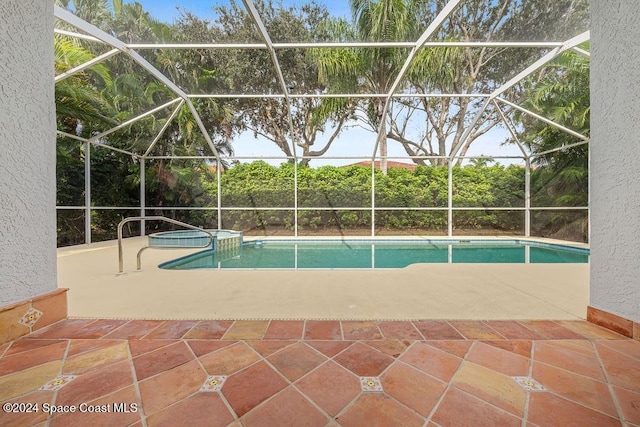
(382, 144)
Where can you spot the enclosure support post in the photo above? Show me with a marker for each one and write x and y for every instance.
(373, 198)
(87, 192)
(143, 194)
(527, 197)
(450, 199)
(219, 191)
(295, 199)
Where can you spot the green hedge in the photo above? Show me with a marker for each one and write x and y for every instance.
(259, 185)
(327, 197)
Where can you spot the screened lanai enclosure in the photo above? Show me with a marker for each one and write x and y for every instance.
(295, 118)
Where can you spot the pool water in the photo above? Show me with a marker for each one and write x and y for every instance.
(361, 254)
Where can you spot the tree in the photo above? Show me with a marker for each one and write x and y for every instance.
(130, 92)
(371, 70)
(79, 105)
(252, 72)
(77, 99)
(478, 70)
(561, 92)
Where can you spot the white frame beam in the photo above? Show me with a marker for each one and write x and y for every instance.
(164, 128)
(338, 45)
(94, 31)
(433, 26)
(94, 34)
(283, 84)
(91, 63)
(341, 95)
(569, 44)
(544, 119)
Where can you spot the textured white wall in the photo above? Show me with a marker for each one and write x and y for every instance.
(27, 151)
(615, 157)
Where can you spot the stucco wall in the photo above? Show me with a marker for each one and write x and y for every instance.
(27, 151)
(615, 157)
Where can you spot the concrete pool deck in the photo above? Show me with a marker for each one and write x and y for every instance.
(424, 291)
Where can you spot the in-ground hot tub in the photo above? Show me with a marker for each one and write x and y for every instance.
(222, 239)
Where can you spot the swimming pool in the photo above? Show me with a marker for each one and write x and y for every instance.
(376, 254)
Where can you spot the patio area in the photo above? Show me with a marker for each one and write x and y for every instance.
(419, 291)
(321, 373)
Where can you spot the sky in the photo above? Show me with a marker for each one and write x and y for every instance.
(353, 142)
(167, 10)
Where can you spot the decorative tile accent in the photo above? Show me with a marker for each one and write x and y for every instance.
(529, 384)
(30, 317)
(370, 384)
(57, 383)
(213, 383)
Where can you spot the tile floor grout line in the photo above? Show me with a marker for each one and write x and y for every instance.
(545, 336)
(494, 406)
(154, 350)
(352, 342)
(606, 382)
(326, 362)
(7, 349)
(573, 372)
(613, 349)
(456, 329)
(266, 329)
(311, 401)
(402, 362)
(44, 327)
(222, 396)
(272, 366)
(60, 372)
(312, 348)
(582, 404)
(108, 333)
(233, 322)
(284, 377)
(379, 330)
(349, 404)
(190, 329)
(449, 383)
(153, 330)
(578, 331)
(582, 336)
(419, 331)
(527, 399)
(475, 396)
(244, 367)
(390, 396)
(484, 322)
(542, 338)
(136, 386)
(614, 397)
(158, 349)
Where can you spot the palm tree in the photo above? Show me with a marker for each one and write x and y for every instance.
(560, 92)
(77, 99)
(481, 162)
(370, 70)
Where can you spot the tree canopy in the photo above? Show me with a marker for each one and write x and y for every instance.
(437, 93)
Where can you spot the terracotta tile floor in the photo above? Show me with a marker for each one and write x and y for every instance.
(320, 373)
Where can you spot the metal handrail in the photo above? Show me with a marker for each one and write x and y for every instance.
(156, 218)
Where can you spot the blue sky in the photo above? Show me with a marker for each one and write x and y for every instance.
(167, 10)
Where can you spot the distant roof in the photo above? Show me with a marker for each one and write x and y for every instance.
(390, 164)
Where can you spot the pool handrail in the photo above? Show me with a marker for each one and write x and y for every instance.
(156, 218)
